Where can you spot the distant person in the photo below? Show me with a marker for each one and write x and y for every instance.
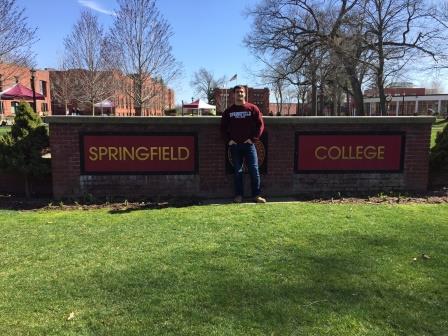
(241, 125)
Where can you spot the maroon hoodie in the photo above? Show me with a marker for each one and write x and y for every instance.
(242, 122)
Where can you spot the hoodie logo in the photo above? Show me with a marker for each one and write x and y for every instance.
(240, 115)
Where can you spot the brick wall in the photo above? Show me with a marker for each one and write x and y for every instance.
(212, 180)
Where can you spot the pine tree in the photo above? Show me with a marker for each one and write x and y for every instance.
(21, 149)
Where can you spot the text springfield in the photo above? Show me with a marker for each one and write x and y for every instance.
(140, 153)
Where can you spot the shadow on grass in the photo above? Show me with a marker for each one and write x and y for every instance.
(265, 289)
(10, 202)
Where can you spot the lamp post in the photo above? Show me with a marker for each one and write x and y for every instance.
(33, 73)
(388, 100)
(402, 109)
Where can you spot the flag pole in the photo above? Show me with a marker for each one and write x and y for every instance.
(234, 77)
(225, 106)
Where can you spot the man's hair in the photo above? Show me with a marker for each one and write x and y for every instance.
(236, 87)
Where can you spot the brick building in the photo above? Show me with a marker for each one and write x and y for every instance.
(405, 99)
(285, 109)
(11, 74)
(162, 98)
(116, 100)
(225, 98)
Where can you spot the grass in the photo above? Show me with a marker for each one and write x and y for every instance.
(436, 128)
(274, 269)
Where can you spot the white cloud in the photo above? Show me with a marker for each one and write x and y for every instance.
(96, 7)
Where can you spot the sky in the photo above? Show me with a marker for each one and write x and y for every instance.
(207, 33)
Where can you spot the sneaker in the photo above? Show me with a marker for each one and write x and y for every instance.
(259, 199)
(238, 199)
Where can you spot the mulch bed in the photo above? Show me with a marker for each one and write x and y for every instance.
(12, 202)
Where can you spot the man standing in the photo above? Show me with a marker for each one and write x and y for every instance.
(242, 124)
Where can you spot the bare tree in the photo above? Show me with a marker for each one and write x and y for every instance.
(376, 38)
(398, 32)
(88, 51)
(63, 88)
(204, 83)
(16, 38)
(140, 36)
(300, 35)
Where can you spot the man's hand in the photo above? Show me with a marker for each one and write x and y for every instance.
(249, 141)
(231, 142)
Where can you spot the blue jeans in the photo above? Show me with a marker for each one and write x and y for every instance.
(245, 153)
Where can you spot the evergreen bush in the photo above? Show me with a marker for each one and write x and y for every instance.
(21, 149)
(439, 153)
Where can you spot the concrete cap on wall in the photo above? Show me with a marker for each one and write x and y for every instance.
(212, 120)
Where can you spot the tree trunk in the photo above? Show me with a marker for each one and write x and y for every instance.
(356, 90)
(138, 94)
(314, 98)
(298, 103)
(380, 74)
(359, 100)
(27, 186)
(321, 99)
(279, 112)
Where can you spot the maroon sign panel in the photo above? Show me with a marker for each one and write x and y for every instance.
(138, 154)
(349, 152)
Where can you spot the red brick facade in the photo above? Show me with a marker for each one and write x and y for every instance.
(397, 91)
(211, 178)
(12, 74)
(162, 97)
(285, 109)
(259, 97)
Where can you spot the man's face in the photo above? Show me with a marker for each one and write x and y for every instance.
(240, 94)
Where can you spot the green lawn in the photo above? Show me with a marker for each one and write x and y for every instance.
(437, 127)
(274, 269)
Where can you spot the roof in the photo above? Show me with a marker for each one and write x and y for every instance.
(20, 92)
(199, 104)
(105, 103)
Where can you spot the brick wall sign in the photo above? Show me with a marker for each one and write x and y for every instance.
(185, 156)
(172, 153)
(341, 152)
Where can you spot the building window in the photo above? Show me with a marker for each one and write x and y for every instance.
(44, 107)
(14, 106)
(43, 87)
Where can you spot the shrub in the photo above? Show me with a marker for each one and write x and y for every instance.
(21, 149)
(439, 153)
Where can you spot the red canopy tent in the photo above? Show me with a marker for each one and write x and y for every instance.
(20, 92)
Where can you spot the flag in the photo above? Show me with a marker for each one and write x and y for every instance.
(233, 78)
